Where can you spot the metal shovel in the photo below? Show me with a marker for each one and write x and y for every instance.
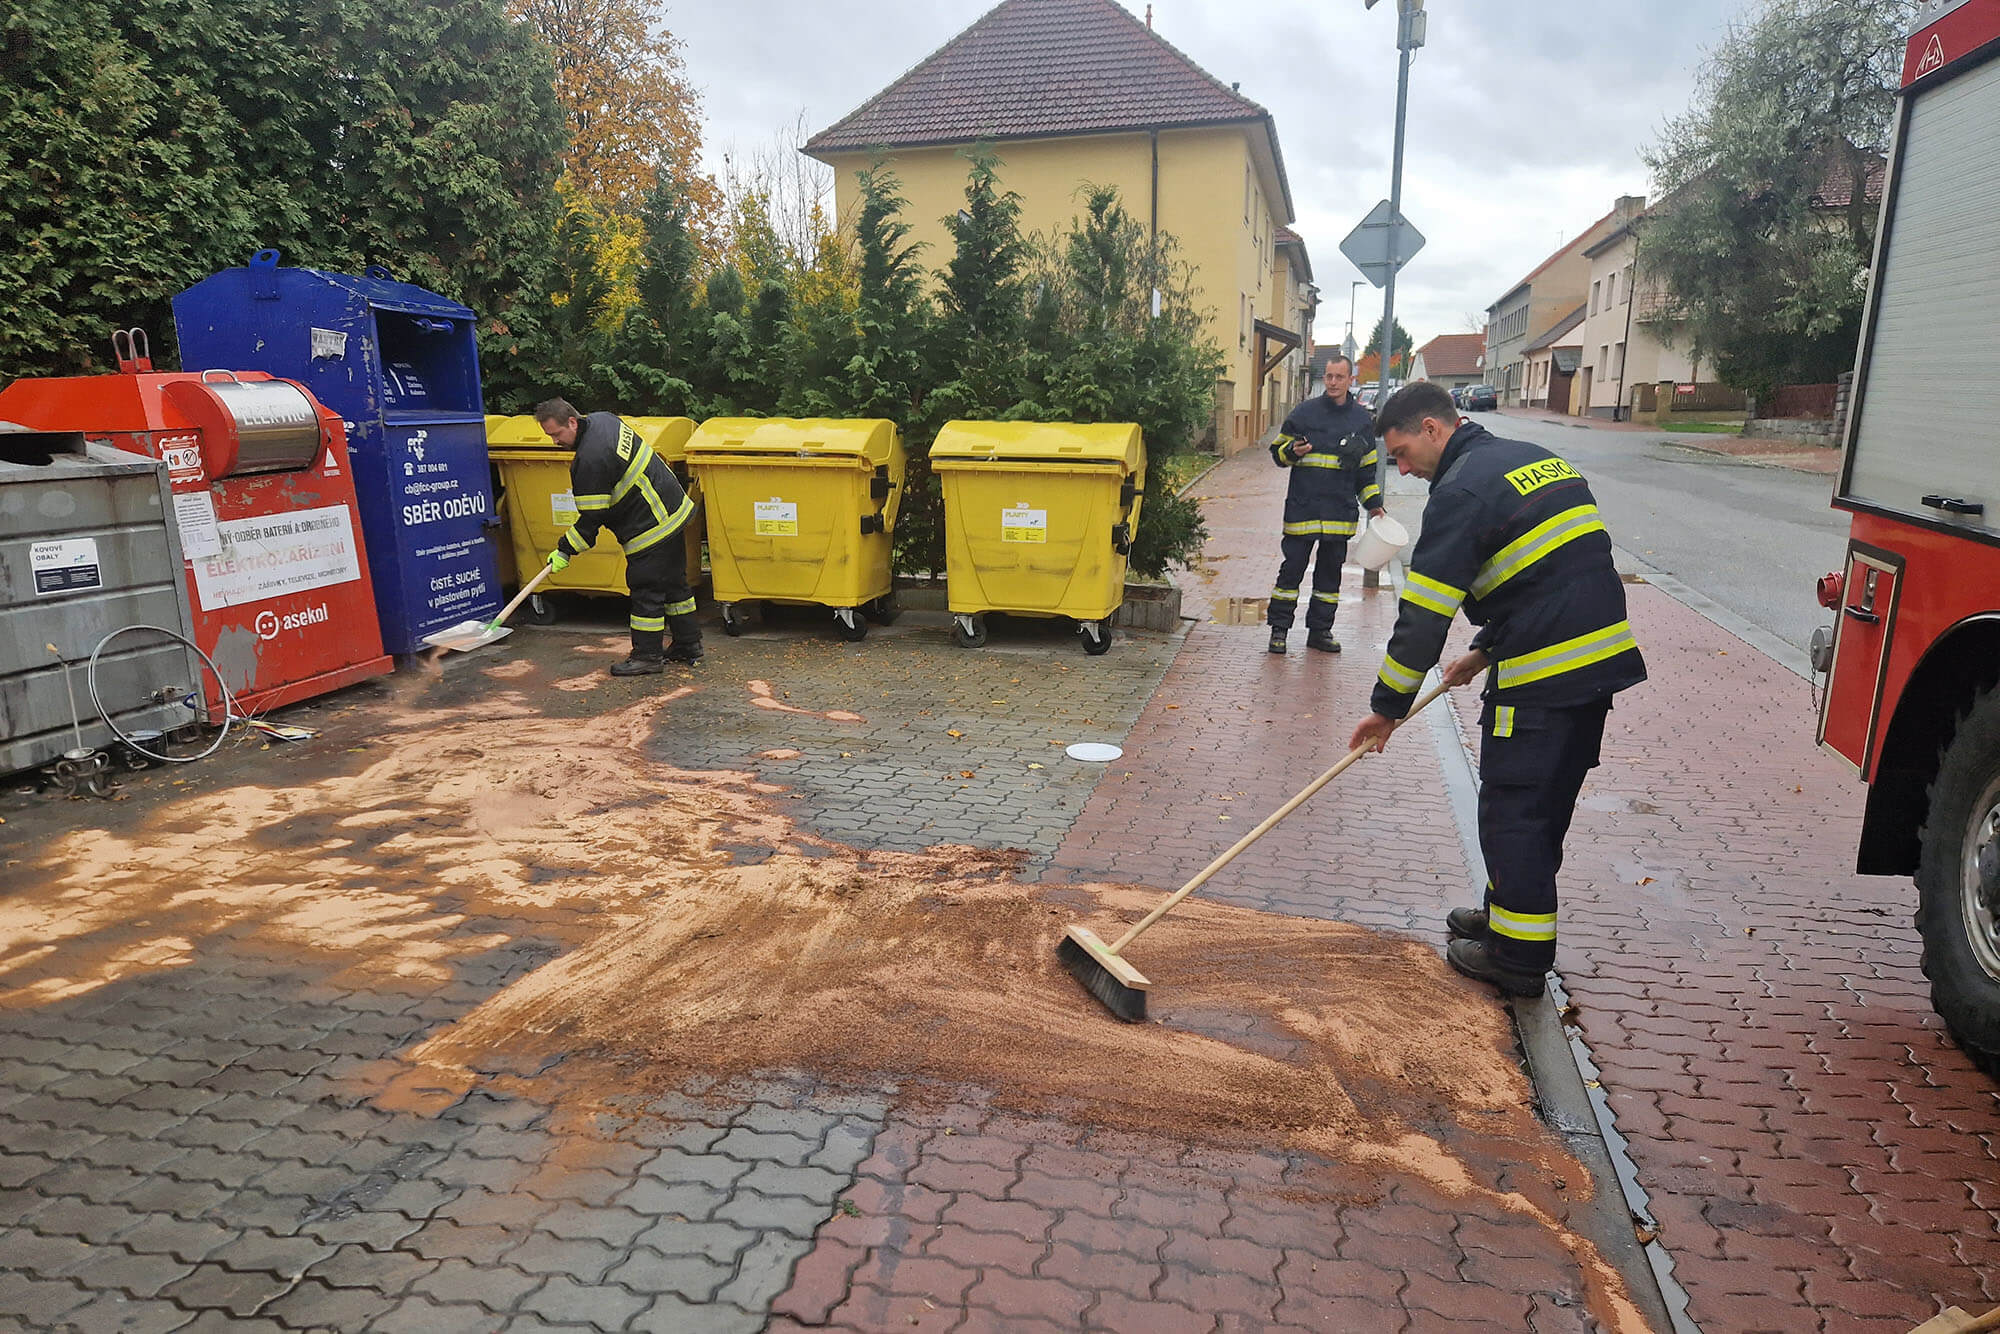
(469, 635)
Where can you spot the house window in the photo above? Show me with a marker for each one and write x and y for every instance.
(1246, 195)
(1243, 322)
(1596, 289)
(1611, 292)
(1628, 282)
(1604, 358)
(1618, 363)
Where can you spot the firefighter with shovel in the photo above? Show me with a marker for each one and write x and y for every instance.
(621, 484)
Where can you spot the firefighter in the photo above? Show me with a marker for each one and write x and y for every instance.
(1511, 535)
(621, 484)
(1329, 444)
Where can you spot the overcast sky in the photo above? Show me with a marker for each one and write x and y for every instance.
(1527, 117)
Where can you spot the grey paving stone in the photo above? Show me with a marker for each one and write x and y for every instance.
(495, 1287)
(812, 1183)
(603, 1305)
(765, 1271)
(442, 1240)
(212, 1287)
(720, 1242)
(847, 1146)
(286, 1256)
(40, 1301)
(546, 1255)
(129, 1315)
(30, 1252)
(137, 1274)
(708, 1169)
(221, 1322)
(790, 1214)
(684, 1199)
(614, 1226)
(389, 1272)
(751, 1146)
(17, 1169)
(671, 1315)
(94, 1223)
(377, 1228)
(419, 1315)
(183, 1238)
(695, 1277)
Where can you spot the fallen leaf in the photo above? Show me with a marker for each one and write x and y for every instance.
(954, 732)
(965, 773)
(1031, 765)
(1646, 880)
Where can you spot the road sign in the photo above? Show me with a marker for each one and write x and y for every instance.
(1368, 245)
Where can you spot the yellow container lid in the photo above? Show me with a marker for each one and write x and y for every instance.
(516, 433)
(873, 439)
(667, 435)
(1041, 442)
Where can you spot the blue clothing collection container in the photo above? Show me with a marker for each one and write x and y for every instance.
(401, 366)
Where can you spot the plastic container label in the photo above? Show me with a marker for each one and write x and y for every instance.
(562, 508)
(1024, 525)
(777, 518)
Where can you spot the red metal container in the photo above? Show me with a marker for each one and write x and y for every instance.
(264, 503)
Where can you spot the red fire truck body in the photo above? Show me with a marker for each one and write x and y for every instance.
(1913, 691)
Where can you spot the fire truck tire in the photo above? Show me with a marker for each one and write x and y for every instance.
(1958, 885)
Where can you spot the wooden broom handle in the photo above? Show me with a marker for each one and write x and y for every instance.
(1270, 822)
(521, 596)
(1981, 1324)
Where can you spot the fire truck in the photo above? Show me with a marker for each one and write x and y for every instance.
(1913, 658)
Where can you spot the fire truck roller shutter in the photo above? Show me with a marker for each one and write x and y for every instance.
(1925, 423)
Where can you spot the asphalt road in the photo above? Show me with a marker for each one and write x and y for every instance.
(1755, 539)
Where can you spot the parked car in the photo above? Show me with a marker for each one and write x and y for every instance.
(1369, 393)
(1458, 395)
(1481, 398)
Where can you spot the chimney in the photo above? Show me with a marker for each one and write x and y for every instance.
(1149, 18)
(1628, 208)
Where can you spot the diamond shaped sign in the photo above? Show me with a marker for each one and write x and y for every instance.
(1382, 233)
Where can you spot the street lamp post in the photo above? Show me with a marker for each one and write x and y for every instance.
(1352, 290)
(1411, 23)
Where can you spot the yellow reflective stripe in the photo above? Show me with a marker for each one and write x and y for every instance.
(1569, 656)
(1284, 595)
(1321, 528)
(1325, 597)
(667, 527)
(1309, 528)
(681, 608)
(1503, 720)
(1371, 458)
(1371, 492)
(1398, 677)
(1521, 925)
(592, 502)
(1432, 594)
(1321, 461)
(572, 542)
(1534, 544)
(633, 472)
(649, 622)
(1337, 527)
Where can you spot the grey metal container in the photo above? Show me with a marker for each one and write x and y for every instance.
(87, 545)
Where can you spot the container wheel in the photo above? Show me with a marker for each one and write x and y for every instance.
(968, 631)
(883, 610)
(1096, 637)
(853, 628)
(732, 620)
(1958, 885)
(540, 611)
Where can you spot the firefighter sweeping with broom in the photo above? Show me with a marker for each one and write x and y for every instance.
(1512, 536)
(621, 484)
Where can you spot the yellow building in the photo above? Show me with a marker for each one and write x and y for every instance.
(1078, 93)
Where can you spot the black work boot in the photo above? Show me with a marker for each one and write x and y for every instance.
(647, 659)
(687, 640)
(1466, 924)
(1323, 640)
(1475, 959)
(1277, 641)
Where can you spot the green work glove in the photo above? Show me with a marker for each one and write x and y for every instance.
(558, 561)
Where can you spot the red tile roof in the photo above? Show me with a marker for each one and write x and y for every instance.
(1032, 68)
(1454, 354)
(1836, 189)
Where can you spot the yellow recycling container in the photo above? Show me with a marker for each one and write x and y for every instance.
(538, 506)
(800, 510)
(1038, 520)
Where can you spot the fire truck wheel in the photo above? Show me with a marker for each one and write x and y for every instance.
(1958, 885)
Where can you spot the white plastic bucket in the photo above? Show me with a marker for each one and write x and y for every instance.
(1380, 542)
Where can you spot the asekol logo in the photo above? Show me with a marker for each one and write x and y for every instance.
(270, 624)
(1933, 57)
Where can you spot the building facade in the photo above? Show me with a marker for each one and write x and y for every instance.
(1077, 93)
(1527, 311)
(1550, 365)
(1451, 360)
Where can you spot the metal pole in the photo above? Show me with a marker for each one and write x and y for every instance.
(1406, 10)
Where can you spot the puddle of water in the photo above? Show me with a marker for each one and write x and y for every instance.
(1240, 611)
(1606, 801)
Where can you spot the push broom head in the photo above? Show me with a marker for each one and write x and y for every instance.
(1104, 975)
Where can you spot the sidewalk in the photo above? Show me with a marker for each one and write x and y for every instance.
(1786, 454)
